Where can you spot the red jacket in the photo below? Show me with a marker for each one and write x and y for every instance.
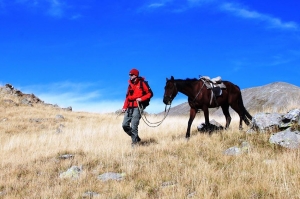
(134, 91)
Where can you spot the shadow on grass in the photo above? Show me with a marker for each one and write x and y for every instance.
(148, 142)
(210, 129)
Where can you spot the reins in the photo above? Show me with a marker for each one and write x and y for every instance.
(153, 124)
(147, 122)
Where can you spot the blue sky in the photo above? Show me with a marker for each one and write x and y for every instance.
(79, 53)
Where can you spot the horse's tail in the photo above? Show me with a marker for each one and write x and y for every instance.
(246, 114)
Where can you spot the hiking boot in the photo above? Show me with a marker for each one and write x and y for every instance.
(133, 144)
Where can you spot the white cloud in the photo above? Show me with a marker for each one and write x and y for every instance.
(56, 8)
(199, 2)
(235, 9)
(156, 5)
(66, 94)
(76, 16)
(87, 97)
(86, 102)
(176, 5)
(157, 105)
(272, 22)
(79, 103)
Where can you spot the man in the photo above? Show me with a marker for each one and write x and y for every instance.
(134, 96)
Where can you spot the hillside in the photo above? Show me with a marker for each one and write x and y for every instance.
(52, 152)
(273, 97)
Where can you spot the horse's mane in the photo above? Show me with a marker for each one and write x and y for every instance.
(191, 79)
(188, 79)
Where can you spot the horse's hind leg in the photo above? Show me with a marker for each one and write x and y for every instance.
(241, 123)
(241, 114)
(225, 109)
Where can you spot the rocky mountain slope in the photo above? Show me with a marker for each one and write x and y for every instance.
(272, 97)
(12, 97)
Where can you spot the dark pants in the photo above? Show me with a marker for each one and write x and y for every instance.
(133, 116)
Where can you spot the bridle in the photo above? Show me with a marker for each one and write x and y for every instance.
(171, 95)
(156, 124)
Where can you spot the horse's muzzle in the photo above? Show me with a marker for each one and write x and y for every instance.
(167, 101)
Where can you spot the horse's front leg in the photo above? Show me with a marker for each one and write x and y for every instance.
(192, 117)
(206, 117)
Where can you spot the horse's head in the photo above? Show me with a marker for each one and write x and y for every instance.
(170, 91)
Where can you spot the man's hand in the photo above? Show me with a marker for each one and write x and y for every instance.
(123, 110)
(139, 99)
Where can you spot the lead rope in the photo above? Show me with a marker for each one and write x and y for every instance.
(152, 124)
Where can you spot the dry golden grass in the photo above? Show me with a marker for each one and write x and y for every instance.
(30, 166)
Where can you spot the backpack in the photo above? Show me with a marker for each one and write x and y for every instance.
(146, 102)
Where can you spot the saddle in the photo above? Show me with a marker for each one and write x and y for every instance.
(215, 85)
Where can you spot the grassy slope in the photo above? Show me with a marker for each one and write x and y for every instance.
(30, 167)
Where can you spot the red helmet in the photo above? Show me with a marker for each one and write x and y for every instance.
(134, 72)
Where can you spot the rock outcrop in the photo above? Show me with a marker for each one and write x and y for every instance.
(14, 97)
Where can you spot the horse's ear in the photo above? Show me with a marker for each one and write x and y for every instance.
(172, 78)
(167, 79)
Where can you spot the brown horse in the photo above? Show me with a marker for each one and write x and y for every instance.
(200, 97)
